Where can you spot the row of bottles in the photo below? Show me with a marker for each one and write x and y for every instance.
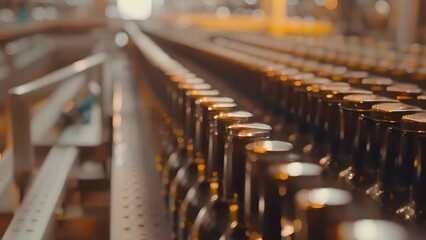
(374, 126)
(381, 58)
(226, 179)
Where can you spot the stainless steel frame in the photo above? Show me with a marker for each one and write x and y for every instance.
(137, 207)
(35, 218)
(20, 99)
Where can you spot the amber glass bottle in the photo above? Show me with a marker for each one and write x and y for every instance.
(199, 195)
(361, 230)
(213, 219)
(369, 140)
(319, 210)
(192, 171)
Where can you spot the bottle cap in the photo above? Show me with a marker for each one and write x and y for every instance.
(233, 116)
(363, 102)
(185, 77)
(415, 122)
(202, 93)
(322, 197)
(197, 86)
(286, 73)
(269, 146)
(392, 112)
(337, 93)
(211, 100)
(309, 82)
(403, 91)
(376, 84)
(221, 106)
(243, 126)
(355, 77)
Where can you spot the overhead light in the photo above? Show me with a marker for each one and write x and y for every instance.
(132, 9)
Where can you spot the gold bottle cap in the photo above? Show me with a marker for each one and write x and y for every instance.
(338, 93)
(310, 66)
(285, 73)
(233, 116)
(377, 81)
(284, 171)
(266, 146)
(355, 77)
(311, 82)
(242, 126)
(202, 93)
(299, 77)
(322, 197)
(197, 86)
(180, 77)
(250, 133)
(337, 73)
(415, 122)
(211, 100)
(363, 102)
(403, 91)
(405, 88)
(392, 112)
(221, 106)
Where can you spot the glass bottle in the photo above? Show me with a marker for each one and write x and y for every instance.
(184, 148)
(301, 90)
(363, 230)
(286, 99)
(319, 210)
(192, 171)
(399, 166)
(370, 136)
(352, 107)
(329, 100)
(404, 92)
(280, 183)
(269, 89)
(413, 151)
(197, 196)
(260, 155)
(319, 147)
(213, 219)
(237, 230)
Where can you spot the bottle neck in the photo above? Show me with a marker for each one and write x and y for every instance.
(419, 193)
(216, 148)
(190, 121)
(199, 133)
(234, 170)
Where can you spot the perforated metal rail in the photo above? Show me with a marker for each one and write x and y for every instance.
(137, 209)
(36, 214)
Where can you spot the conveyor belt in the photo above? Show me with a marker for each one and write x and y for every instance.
(137, 209)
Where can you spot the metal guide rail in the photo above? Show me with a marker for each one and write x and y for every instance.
(20, 99)
(44, 187)
(34, 219)
(137, 209)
